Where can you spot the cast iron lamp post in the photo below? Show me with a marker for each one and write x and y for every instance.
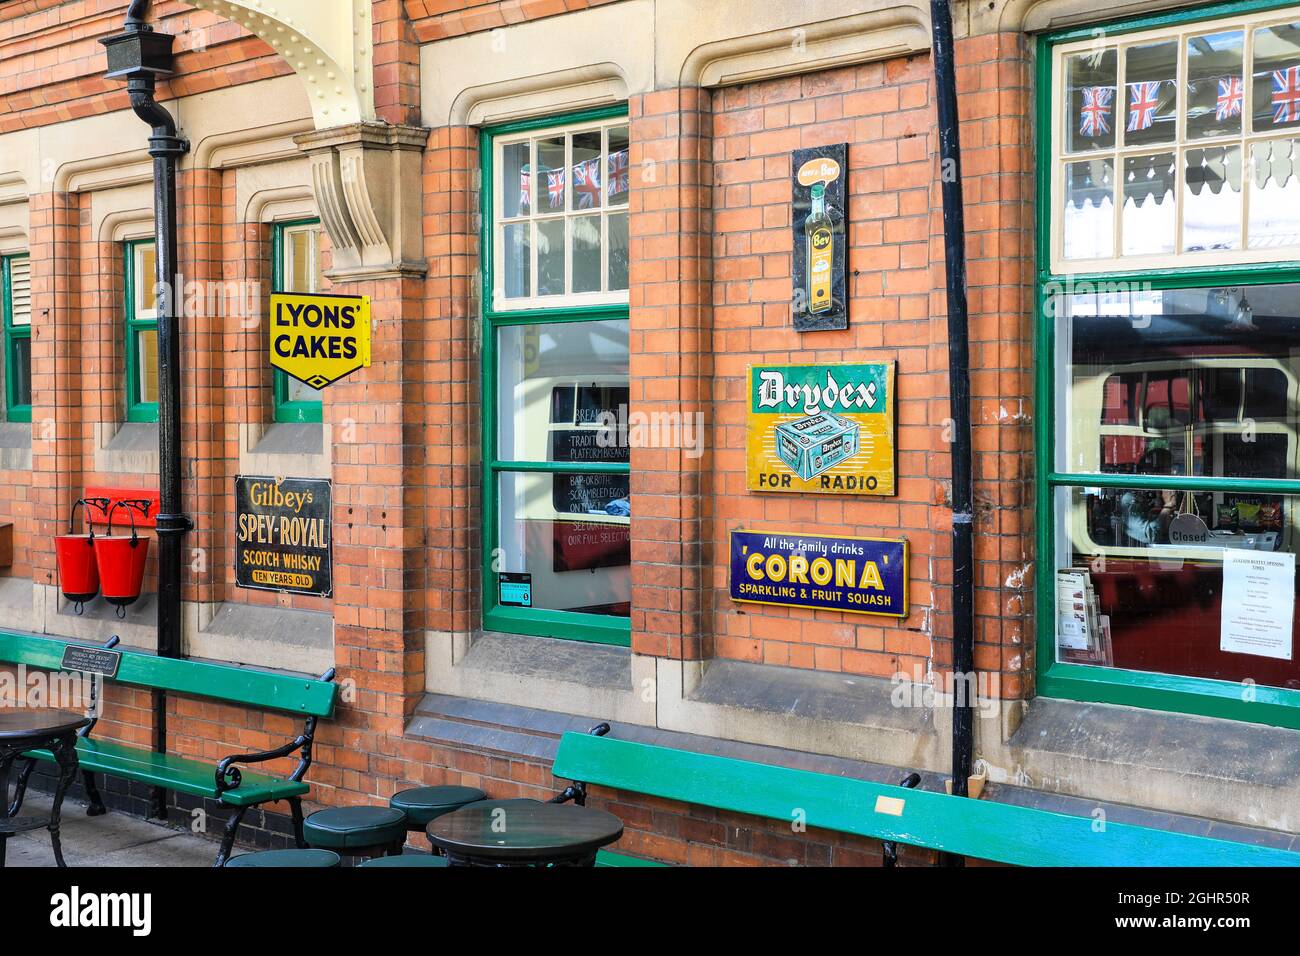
(141, 55)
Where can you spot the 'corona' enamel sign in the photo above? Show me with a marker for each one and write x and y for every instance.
(318, 339)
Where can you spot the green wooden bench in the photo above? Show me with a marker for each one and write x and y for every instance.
(982, 829)
(223, 781)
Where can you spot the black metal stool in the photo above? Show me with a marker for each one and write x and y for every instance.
(357, 831)
(422, 804)
(306, 859)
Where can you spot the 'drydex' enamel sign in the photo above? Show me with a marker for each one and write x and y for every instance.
(318, 339)
(821, 429)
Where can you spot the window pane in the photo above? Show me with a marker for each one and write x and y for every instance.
(1197, 584)
(1212, 199)
(552, 164)
(1150, 93)
(550, 257)
(1197, 382)
(296, 391)
(571, 532)
(146, 365)
(20, 291)
(1215, 94)
(1274, 194)
(1089, 216)
(586, 171)
(516, 180)
(301, 270)
(561, 390)
(146, 280)
(585, 235)
(1276, 86)
(21, 370)
(514, 261)
(1149, 210)
(618, 166)
(1089, 107)
(618, 251)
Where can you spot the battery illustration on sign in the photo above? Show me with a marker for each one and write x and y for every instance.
(821, 429)
(816, 443)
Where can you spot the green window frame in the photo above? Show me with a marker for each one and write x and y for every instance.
(138, 320)
(15, 333)
(570, 625)
(285, 409)
(1088, 682)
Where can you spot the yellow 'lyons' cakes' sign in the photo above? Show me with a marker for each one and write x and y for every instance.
(318, 339)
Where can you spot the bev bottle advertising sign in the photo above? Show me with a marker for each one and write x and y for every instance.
(821, 429)
(820, 244)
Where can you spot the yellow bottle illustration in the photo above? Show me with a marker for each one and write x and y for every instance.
(821, 251)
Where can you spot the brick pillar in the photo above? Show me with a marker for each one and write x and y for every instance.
(57, 374)
(379, 538)
(396, 64)
(452, 408)
(671, 364)
(202, 254)
(993, 87)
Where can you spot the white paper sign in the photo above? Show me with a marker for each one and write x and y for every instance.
(1258, 603)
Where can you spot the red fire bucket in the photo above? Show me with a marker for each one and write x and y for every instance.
(121, 562)
(78, 572)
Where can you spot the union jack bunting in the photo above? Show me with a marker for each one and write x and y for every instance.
(1286, 95)
(586, 183)
(555, 188)
(1230, 98)
(1094, 115)
(525, 189)
(1143, 100)
(617, 172)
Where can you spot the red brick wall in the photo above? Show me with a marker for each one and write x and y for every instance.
(710, 295)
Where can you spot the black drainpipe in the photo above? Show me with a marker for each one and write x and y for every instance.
(954, 244)
(166, 147)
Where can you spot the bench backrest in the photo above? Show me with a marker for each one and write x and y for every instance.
(982, 829)
(227, 682)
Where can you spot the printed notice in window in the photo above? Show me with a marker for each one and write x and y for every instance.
(1258, 603)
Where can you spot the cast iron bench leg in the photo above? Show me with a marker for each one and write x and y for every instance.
(228, 841)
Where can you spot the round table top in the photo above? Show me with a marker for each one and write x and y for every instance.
(18, 723)
(522, 831)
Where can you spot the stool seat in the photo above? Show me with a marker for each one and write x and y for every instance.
(309, 859)
(422, 804)
(408, 860)
(352, 828)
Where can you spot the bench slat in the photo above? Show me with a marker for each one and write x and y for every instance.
(981, 829)
(610, 858)
(240, 685)
(176, 773)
